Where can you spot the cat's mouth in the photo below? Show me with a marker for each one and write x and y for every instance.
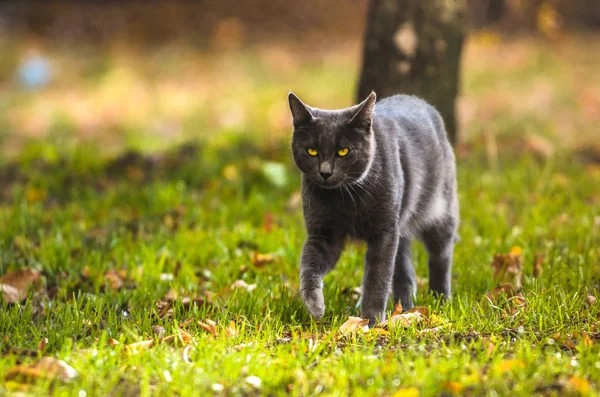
(331, 184)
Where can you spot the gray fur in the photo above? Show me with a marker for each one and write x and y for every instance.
(397, 182)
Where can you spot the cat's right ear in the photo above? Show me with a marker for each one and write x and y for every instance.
(300, 112)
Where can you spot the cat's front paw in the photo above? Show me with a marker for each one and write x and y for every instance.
(314, 301)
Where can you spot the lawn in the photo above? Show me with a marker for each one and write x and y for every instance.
(152, 207)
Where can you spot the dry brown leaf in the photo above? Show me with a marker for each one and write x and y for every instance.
(403, 320)
(42, 344)
(506, 290)
(49, 368)
(180, 336)
(159, 331)
(10, 294)
(113, 279)
(21, 281)
(186, 323)
(397, 309)
(354, 324)
(209, 326)
(260, 260)
(508, 267)
(538, 262)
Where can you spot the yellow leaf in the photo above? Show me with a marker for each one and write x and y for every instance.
(516, 250)
(407, 392)
(579, 384)
(453, 387)
(230, 173)
(139, 347)
(259, 260)
(354, 324)
(230, 330)
(33, 195)
(510, 365)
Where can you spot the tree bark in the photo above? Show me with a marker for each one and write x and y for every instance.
(414, 47)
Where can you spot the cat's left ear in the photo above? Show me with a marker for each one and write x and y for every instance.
(363, 116)
(300, 112)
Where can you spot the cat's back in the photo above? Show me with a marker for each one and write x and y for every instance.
(412, 115)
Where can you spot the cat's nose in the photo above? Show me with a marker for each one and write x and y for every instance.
(326, 175)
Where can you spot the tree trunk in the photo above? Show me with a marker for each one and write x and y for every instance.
(413, 47)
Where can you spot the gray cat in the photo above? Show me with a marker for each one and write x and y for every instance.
(384, 173)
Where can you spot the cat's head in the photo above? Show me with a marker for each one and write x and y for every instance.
(333, 147)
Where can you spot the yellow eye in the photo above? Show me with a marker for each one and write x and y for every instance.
(342, 152)
(312, 152)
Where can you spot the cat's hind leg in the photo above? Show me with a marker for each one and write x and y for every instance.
(404, 286)
(439, 240)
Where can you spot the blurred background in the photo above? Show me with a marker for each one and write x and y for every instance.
(123, 76)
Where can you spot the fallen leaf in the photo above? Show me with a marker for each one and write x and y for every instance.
(510, 365)
(181, 336)
(260, 260)
(48, 368)
(403, 320)
(42, 344)
(537, 265)
(508, 267)
(419, 309)
(354, 324)
(506, 290)
(580, 385)
(453, 387)
(33, 195)
(15, 286)
(209, 326)
(159, 331)
(138, 347)
(113, 279)
(230, 330)
(10, 294)
(407, 392)
(397, 309)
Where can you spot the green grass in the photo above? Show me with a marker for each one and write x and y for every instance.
(200, 213)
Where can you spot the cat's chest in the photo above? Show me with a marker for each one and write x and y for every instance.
(354, 214)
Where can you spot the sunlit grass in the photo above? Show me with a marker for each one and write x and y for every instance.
(191, 218)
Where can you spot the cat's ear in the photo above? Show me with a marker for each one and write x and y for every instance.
(363, 115)
(300, 112)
